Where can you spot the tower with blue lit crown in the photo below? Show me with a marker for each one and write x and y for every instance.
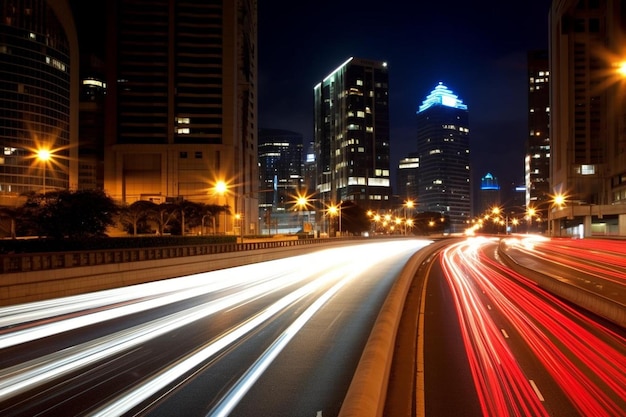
(443, 175)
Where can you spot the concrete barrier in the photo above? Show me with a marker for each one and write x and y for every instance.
(52, 275)
(368, 390)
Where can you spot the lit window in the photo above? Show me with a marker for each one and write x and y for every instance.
(588, 169)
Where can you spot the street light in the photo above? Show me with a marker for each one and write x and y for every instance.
(221, 188)
(407, 204)
(44, 155)
(335, 210)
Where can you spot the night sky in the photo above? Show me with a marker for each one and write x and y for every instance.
(477, 49)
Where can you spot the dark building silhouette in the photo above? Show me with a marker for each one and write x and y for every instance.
(444, 159)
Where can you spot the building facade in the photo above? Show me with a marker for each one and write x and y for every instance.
(444, 157)
(281, 178)
(352, 135)
(407, 178)
(181, 104)
(587, 113)
(39, 108)
(537, 159)
(489, 193)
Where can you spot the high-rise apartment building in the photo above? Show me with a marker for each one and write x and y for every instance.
(444, 157)
(181, 103)
(587, 113)
(352, 135)
(537, 159)
(39, 107)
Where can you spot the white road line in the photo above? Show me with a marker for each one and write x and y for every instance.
(504, 333)
(532, 384)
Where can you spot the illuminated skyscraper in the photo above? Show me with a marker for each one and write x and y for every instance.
(587, 117)
(39, 106)
(443, 175)
(181, 103)
(489, 193)
(352, 134)
(280, 169)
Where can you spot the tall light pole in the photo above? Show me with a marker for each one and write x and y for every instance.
(407, 204)
(43, 155)
(302, 202)
(220, 189)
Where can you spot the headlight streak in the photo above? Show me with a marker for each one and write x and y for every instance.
(25, 376)
(30, 322)
(144, 391)
(235, 394)
(539, 324)
(146, 296)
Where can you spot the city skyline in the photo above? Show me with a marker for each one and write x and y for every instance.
(468, 47)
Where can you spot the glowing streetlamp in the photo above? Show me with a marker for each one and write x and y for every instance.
(301, 202)
(409, 204)
(335, 210)
(44, 155)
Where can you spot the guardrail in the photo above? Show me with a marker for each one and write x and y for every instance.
(29, 262)
(31, 277)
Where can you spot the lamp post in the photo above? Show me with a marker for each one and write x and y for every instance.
(335, 210)
(43, 155)
(220, 189)
(407, 204)
(302, 202)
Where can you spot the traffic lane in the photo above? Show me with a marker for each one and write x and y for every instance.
(312, 373)
(584, 271)
(144, 356)
(155, 348)
(588, 370)
(448, 384)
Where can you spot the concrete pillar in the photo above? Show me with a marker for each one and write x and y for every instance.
(621, 225)
(587, 225)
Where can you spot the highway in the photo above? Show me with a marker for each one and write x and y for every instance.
(289, 337)
(496, 344)
(278, 338)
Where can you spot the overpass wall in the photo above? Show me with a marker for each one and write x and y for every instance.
(40, 276)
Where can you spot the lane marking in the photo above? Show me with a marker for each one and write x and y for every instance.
(532, 384)
(504, 333)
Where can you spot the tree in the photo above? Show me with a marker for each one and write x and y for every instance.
(134, 218)
(10, 215)
(165, 213)
(73, 214)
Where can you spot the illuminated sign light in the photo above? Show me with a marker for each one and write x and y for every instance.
(443, 96)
